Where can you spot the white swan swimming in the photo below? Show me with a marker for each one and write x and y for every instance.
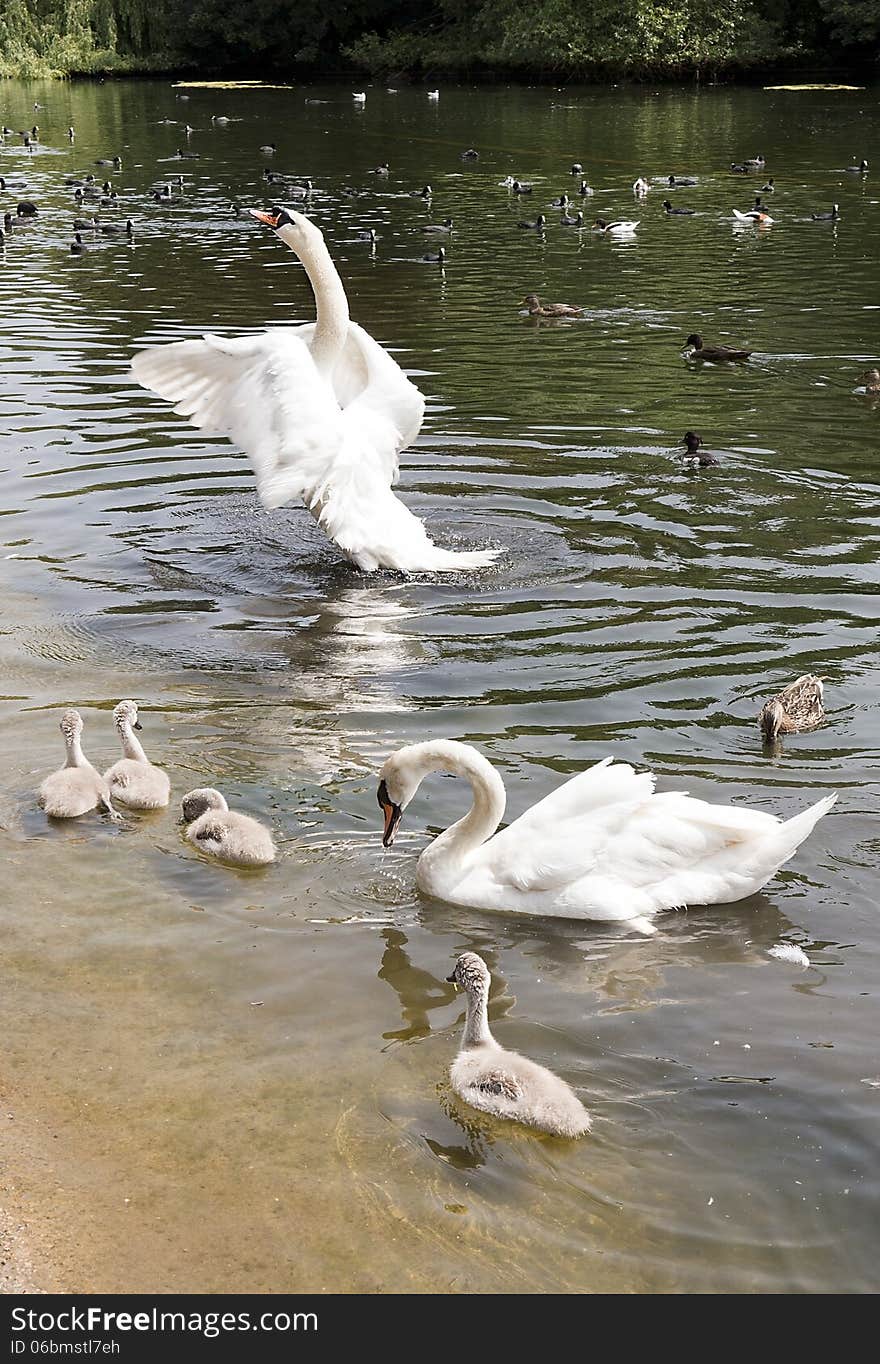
(322, 410)
(76, 787)
(502, 1082)
(602, 846)
(223, 833)
(134, 781)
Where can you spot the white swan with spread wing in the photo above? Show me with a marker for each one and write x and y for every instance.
(602, 846)
(321, 409)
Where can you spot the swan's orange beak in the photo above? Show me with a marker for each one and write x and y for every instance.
(393, 815)
(270, 219)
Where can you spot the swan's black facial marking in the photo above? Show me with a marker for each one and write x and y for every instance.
(393, 815)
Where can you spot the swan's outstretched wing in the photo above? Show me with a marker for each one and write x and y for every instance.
(605, 836)
(370, 386)
(265, 392)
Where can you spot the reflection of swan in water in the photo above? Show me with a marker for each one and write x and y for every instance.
(419, 991)
(322, 411)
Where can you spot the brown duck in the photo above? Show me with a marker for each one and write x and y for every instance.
(794, 709)
(698, 351)
(871, 380)
(538, 309)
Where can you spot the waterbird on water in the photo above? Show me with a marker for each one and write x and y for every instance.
(695, 453)
(696, 350)
(796, 708)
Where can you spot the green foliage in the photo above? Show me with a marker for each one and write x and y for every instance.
(553, 39)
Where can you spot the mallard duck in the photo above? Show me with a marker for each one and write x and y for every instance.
(686, 212)
(860, 169)
(871, 380)
(502, 1082)
(620, 229)
(697, 351)
(695, 454)
(537, 226)
(831, 217)
(794, 709)
(538, 309)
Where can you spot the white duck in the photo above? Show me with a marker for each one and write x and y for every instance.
(77, 787)
(223, 833)
(322, 410)
(623, 228)
(603, 846)
(502, 1082)
(134, 781)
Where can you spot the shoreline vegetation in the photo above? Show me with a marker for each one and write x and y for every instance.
(478, 40)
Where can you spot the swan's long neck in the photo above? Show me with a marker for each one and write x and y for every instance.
(75, 755)
(131, 745)
(331, 303)
(476, 1027)
(487, 810)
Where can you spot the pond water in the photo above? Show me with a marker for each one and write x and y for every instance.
(239, 1081)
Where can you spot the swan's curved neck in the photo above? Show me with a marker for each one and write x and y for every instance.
(487, 810)
(131, 745)
(331, 303)
(476, 1027)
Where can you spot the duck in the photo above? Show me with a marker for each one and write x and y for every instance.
(871, 380)
(576, 168)
(755, 162)
(380, 170)
(603, 846)
(641, 186)
(77, 246)
(470, 154)
(695, 454)
(796, 708)
(269, 149)
(619, 229)
(359, 96)
(7, 223)
(584, 189)
(115, 161)
(322, 410)
(433, 94)
(567, 220)
(522, 187)
(769, 188)
(538, 309)
(424, 193)
(181, 155)
(688, 212)
(697, 351)
(85, 224)
(675, 181)
(77, 787)
(860, 169)
(218, 118)
(26, 209)
(831, 217)
(537, 226)
(442, 228)
(73, 182)
(116, 229)
(562, 202)
(163, 195)
(134, 781)
(223, 833)
(759, 216)
(503, 1083)
(367, 234)
(738, 169)
(435, 257)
